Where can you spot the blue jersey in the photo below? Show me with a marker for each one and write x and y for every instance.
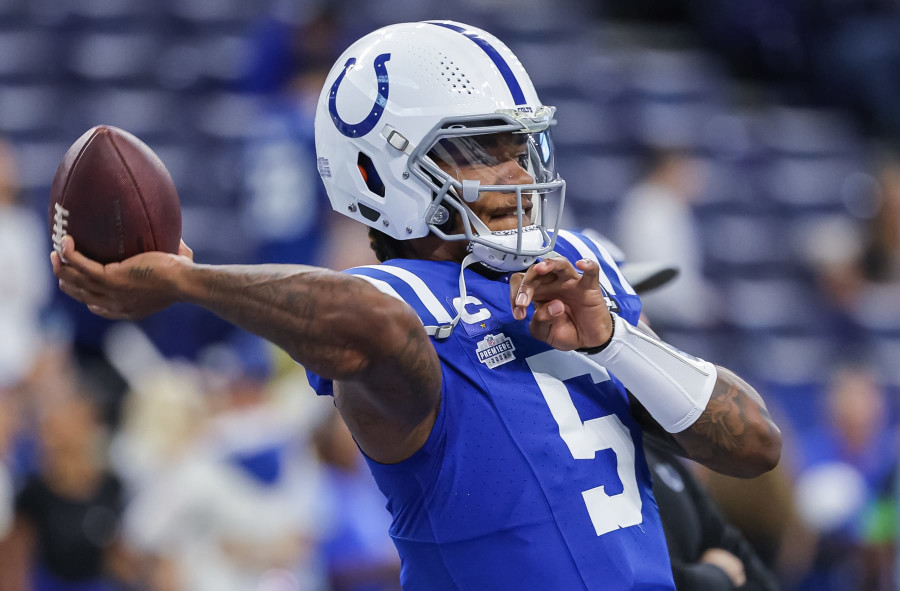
(533, 477)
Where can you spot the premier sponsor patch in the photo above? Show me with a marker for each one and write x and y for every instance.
(495, 350)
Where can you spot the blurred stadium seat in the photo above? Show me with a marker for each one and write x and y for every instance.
(151, 114)
(28, 56)
(30, 110)
(115, 58)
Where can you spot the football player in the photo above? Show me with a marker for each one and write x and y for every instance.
(485, 367)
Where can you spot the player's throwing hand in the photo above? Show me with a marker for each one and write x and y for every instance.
(570, 309)
(132, 289)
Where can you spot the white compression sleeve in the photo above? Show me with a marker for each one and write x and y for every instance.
(673, 386)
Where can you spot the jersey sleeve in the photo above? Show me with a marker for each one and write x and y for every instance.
(401, 280)
(322, 386)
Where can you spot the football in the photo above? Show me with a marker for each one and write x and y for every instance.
(114, 196)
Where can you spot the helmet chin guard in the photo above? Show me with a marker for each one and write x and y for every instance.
(505, 261)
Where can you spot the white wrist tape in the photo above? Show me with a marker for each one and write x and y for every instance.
(673, 386)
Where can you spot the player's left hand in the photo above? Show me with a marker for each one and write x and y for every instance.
(569, 307)
(132, 289)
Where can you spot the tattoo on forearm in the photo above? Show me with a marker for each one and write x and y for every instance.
(733, 425)
(312, 313)
(725, 419)
(274, 301)
(140, 272)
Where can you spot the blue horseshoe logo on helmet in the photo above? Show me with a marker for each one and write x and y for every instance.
(367, 124)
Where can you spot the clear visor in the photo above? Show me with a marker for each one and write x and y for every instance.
(505, 158)
(506, 154)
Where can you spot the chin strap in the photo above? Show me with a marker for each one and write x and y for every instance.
(444, 331)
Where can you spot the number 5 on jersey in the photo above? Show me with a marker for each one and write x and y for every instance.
(585, 439)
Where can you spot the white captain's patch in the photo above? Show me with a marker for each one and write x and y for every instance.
(495, 350)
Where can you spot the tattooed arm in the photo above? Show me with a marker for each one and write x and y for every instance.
(735, 435)
(386, 372)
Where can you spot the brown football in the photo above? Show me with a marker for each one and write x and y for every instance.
(114, 196)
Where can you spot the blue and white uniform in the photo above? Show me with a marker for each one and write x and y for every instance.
(534, 476)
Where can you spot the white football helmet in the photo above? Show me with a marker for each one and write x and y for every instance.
(405, 104)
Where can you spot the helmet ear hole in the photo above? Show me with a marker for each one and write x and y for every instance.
(370, 175)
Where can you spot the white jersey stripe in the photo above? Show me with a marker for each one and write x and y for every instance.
(418, 286)
(382, 286)
(612, 263)
(587, 253)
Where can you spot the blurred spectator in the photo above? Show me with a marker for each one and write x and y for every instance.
(881, 524)
(239, 505)
(8, 424)
(707, 553)
(766, 511)
(24, 282)
(358, 553)
(859, 265)
(847, 460)
(66, 532)
(656, 223)
(287, 211)
(881, 257)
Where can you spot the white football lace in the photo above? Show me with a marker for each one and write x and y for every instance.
(60, 222)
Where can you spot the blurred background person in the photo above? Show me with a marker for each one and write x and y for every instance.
(857, 259)
(357, 553)
(287, 215)
(240, 504)
(66, 535)
(707, 553)
(285, 209)
(847, 463)
(23, 292)
(9, 425)
(657, 223)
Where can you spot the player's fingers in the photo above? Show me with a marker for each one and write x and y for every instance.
(523, 292)
(548, 312)
(78, 260)
(55, 262)
(537, 276)
(548, 276)
(80, 293)
(541, 322)
(75, 277)
(515, 280)
(100, 310)
(559, 266)
(185, 250)
(517, 299)
(590, 277)
(555, 308)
